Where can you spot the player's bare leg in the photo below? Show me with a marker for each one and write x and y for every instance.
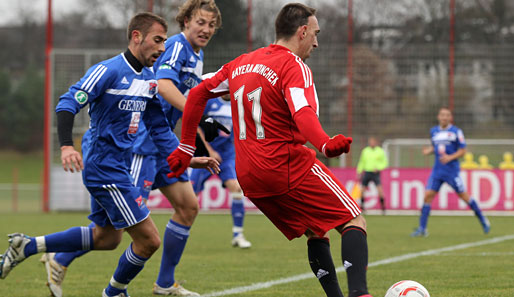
(486, 226)
(354, 252)
(238, 213)
(183, 199)
(320, 260)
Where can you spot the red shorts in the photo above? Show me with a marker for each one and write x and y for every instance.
(320, 204)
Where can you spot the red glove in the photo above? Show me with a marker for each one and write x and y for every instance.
(179, 159)
(336, 146)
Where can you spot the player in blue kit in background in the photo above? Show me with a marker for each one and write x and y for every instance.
(448, 145)
(222, 148)
(121, 94)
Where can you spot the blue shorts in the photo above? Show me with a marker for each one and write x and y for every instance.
(119, 204)
(143, 172)
(454, 180)
(199, 176)
(151, 172)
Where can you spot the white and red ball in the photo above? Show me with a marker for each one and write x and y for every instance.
(407, 288)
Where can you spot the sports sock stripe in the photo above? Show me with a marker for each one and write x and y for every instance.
(132, 258)
(177, 229)
(85, 233)
(115, 284)
(347, 202)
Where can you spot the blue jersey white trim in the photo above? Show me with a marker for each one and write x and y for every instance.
(183, 66)
(91, 81)
(117, 111)
(446, 141)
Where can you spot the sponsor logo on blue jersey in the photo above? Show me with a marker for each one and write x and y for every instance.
(132, 105)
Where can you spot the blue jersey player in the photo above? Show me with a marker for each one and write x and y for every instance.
(177, 70)
(223, 149)
(121, 94)
(149, 169)
(448, 145)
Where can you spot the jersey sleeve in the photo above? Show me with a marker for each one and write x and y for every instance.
(173, 58)
(217, 83)
(298, 86)
(212, 87)
(158, 127)
(96, 81)
(460, 139)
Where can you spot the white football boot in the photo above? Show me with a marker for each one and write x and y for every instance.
(14, 254)
(55, 274)
(175, 290)
(240, 241)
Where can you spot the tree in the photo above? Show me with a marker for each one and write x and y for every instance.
(23, 113)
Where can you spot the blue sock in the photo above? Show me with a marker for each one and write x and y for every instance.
(474, 206)
(65, 259)
(423, 219)
(71, 240)
(175, 238)
(238, 215)
(129, 266)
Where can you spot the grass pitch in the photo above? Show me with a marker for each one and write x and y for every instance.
(210, 265)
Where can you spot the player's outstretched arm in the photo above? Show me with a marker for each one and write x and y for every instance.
(208, 163)
(307, 122)
(171, 93)
(427, 150)
(180, 158)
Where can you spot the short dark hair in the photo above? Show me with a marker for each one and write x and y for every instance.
(188, 9)
(290, 17)
(143, 21)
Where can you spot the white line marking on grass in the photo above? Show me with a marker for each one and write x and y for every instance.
(482, 254)
(299, 277)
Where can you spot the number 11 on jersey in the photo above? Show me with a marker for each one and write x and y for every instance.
(254, 97)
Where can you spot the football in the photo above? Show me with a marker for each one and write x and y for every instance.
(407, 288)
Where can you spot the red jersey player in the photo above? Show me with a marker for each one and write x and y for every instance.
(274, 110)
